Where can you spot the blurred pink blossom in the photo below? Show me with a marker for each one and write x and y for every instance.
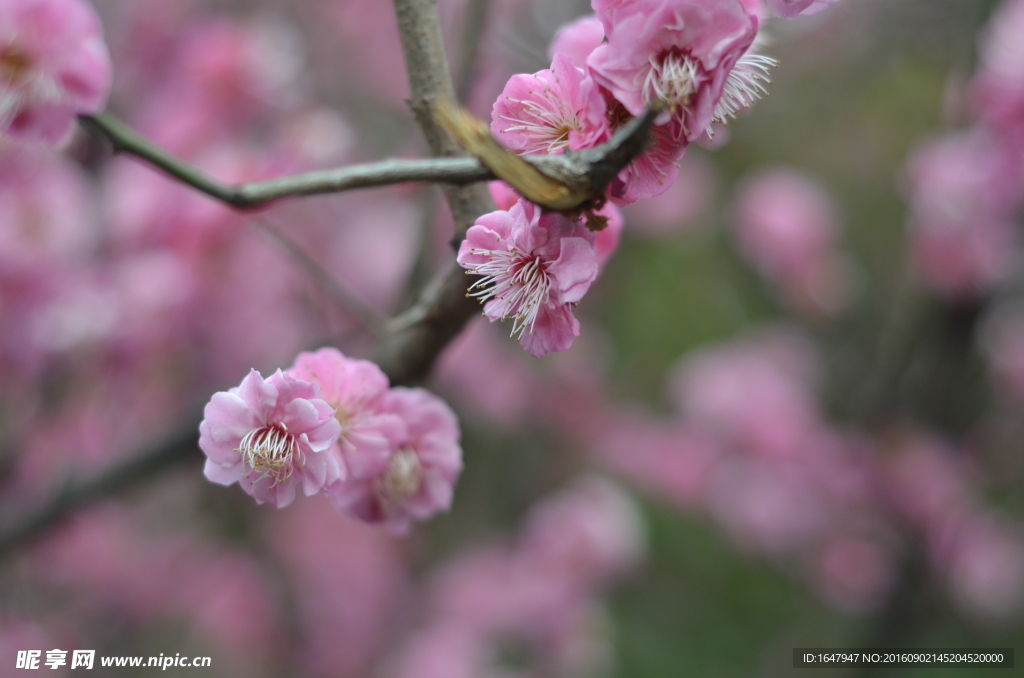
(985, 567)
(754, 393)
(277, 429)
(961, 235)
(48, 215)
(787, 228)
(790, 9)
(349, 580)
(578, 39)
(54, 65)
(590, 532)
(856, 574)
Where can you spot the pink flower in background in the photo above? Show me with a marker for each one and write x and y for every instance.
(787, 228)
(578, 39)
(535, 267)
(421, 472)
(270, 436)
(53, 66)
(348, 583)
(790, 9)
(47, 214)
(677, 52)
(354, 389)
(753, 393)
(856, 574)
(998, 86)
(962, 237)
(985, 567)
(589, 532)
(550, 111)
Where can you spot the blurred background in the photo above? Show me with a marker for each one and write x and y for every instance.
(794, 416)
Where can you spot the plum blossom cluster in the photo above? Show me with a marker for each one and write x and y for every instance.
(694, 59)
(54, 65)
(331, 424)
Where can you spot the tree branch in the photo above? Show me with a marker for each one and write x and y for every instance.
(176, 449)
(258, 193)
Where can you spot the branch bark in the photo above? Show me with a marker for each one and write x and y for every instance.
(258, 193)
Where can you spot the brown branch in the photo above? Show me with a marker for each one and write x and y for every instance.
(178, 448)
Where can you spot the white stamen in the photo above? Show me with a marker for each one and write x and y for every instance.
(549, 128)
(671, 79)
(520, 280)
(271, 451)
(746, 85)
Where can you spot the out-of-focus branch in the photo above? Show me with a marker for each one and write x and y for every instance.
(366, 316)
(178, 448)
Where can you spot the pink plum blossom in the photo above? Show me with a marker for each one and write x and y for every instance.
(578, 39)
(53, 66)
(354, 389)
(421, 471)
(535, 267)
(550, 111)
(652, 172)
(606, 241)
(787, 228)
(790, 9)
(676, 52)
(270, 436)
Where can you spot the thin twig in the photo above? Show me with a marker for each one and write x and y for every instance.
(361, 312)
(258, 193)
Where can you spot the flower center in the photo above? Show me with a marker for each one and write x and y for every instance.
(15, 65)
(674, 78)
(271, 451)
(401, 480)
(519, 281)
(546, 123)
